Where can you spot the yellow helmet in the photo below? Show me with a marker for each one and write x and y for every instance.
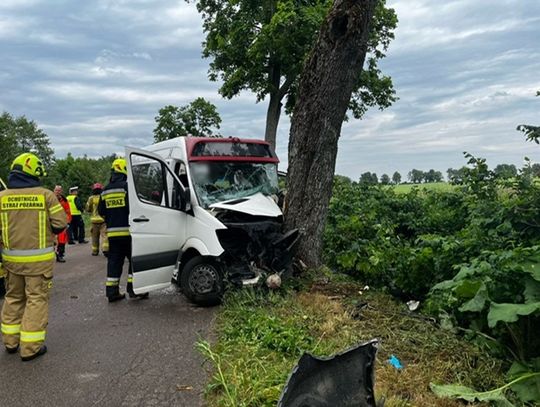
(29, 164)
(119, 165)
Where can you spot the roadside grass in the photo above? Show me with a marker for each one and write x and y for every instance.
(261, 335)
(432, 186)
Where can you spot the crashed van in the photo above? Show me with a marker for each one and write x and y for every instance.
(204, 215)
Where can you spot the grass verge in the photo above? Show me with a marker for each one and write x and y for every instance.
(261, 335)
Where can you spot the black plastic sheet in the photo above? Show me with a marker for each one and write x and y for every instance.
(345, 379)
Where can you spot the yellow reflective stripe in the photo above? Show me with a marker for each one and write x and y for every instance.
(112, 283)
(36, 336)
(28, 259)
(116, 195)
(130, 280)
(5, 228)
(55, 209)
(42, 232)
(11, 329)
(118, 234)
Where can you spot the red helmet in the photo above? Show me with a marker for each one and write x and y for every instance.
(97, 185)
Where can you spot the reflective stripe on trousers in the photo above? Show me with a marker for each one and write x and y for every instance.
(11, 329)
(35, 336)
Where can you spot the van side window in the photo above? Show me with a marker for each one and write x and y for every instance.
(181, 172)
(154, 183)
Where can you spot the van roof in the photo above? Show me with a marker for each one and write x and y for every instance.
(215, 149)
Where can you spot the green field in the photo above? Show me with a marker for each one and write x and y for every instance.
(434, 186)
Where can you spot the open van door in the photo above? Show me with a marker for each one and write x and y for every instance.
(157, 217)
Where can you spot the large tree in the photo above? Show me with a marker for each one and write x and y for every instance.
(532, 133)
(328, 81)
(396, 178)
(19, 135)
(262, 45)
(199, 118)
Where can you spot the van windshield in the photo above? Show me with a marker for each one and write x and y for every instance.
(222, 181)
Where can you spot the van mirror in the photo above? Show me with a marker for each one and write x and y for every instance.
(186, 200)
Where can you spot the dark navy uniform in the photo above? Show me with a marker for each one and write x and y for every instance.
(114, 208)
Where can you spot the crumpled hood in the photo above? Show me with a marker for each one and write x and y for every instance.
(255, 205)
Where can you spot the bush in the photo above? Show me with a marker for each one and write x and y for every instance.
(472, 252)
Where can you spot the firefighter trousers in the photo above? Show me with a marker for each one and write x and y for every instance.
(99, 232)
(119, 251)
(25, 312)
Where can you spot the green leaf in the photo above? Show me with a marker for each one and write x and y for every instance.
(533, 269)
(532, 291)
(529, 389)
(478, 302)
(510, 312)
(467, 289)
(468, 394)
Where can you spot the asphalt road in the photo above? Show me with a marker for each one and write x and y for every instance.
(130, 353)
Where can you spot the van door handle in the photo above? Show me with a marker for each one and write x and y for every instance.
(141, 219)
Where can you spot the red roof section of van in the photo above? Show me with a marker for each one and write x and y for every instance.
(191, 142)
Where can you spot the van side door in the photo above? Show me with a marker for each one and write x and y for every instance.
(157, 207)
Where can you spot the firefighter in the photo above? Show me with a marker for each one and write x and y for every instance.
(114, 208)
(62, 238)
(76, 227)
(30, 216)
(99, 228)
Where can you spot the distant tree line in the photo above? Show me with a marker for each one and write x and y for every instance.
(502, 171)
(454, 175)
(19, 135)
(415, 176)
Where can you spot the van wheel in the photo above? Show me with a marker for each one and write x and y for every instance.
(202, 281)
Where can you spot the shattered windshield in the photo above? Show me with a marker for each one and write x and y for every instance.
(222, 181)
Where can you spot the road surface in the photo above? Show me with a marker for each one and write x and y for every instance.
(130, 353)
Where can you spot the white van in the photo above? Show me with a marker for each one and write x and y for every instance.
(203, 214)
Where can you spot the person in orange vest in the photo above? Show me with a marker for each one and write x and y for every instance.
(30, 216)
(99, 228)
(62, 238)
(76, 227)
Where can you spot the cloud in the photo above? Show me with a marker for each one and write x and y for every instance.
(94, 74)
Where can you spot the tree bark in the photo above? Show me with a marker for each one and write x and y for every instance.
(326, 86)
(272, 119)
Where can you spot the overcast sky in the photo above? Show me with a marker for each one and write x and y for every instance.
(94, 73)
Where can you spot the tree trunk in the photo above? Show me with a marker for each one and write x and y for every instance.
(272, 118)
(326, 86)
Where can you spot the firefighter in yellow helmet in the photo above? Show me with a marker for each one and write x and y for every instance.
(114, 208)
(2, 274)
(30, 215)
(99, 228)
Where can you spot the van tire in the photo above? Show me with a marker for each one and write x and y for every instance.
(202, 281)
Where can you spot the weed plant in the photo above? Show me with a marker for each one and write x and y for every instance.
(261, 335)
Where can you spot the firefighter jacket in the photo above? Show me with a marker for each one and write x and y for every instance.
(92, 207)
(30, 215)
(114, 206)
(75, 205)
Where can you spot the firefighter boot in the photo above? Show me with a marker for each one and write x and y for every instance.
(130, 291)
(40, 352)
(116, 297)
